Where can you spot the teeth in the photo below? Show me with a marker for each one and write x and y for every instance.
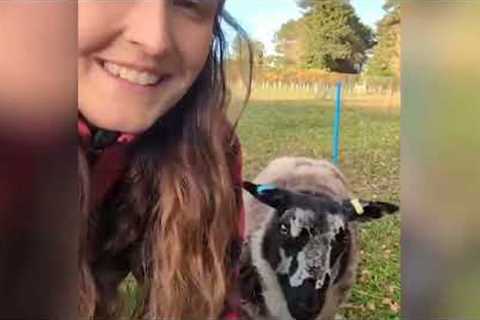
(133, 76)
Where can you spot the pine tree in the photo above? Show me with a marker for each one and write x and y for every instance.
(386, 57)
(335, 38)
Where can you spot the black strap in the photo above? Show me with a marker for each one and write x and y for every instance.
(102, 139)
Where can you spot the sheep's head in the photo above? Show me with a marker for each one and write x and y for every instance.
(306, 242)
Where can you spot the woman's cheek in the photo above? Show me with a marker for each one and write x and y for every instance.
(194, 44)
(98, 22)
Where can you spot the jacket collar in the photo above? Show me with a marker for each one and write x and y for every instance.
(97, 140)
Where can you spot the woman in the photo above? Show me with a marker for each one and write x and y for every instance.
(160, 168)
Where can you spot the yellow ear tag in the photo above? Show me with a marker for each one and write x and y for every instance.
(358, 207)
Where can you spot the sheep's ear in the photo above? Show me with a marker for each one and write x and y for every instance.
(268, 194)
(363, 211)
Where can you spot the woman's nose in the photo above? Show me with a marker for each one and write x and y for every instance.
(149, 25)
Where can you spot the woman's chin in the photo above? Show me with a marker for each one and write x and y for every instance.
(127, 127)
(130, 124)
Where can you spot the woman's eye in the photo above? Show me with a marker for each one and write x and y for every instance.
(197, 8)
(283, 229)
(189, 4)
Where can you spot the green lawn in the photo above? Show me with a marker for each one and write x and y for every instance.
(370, 158)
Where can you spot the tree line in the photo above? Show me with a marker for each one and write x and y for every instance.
(330, 38)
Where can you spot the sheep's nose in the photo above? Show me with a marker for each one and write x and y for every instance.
(303, 311)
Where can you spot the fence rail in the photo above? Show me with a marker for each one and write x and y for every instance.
(357, 89)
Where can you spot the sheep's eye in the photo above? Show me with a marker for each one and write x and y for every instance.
(283, 229)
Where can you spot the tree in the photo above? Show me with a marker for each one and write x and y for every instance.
(386, 56)
(240, 49)
(392, 5)
(258, 53)
(335, 38)
(290, 42)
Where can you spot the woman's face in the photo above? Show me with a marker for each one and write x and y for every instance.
(137, 58)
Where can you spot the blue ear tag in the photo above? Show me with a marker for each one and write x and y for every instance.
(264, 187)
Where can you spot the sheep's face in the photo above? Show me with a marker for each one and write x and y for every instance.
(307, 243)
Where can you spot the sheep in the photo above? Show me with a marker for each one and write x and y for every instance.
(301, 254)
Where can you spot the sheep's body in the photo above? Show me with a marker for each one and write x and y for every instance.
(296, 174)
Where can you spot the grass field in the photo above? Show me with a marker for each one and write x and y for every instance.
(370, 158)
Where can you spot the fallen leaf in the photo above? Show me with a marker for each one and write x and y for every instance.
(394, 306)
(366, 272)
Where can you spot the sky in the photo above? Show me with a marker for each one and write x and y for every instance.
(262, 18)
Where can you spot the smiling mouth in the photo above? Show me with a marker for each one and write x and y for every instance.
(135, 77)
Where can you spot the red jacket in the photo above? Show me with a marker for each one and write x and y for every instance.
(112, 163)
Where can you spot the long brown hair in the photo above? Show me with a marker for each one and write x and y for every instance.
(183, 169)
(87, 287)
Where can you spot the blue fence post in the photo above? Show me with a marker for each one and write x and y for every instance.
(336, 124)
